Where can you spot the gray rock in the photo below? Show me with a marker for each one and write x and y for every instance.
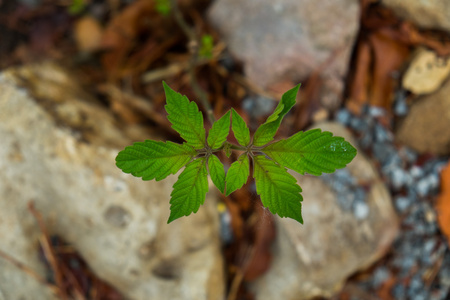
(431, 14)
(315, 259)
(115, 221)
(426, 127)
(287, 40)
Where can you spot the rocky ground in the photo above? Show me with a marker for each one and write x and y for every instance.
(81, 80)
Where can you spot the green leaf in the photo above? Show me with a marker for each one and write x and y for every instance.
(237, 174)
(217, 172)
(312, 152)
(219, 132)
(240, 129)
(185, 117)
(154, 160)
(77, 7)
(206, 46)
(189, 192)
(163, 7)
(266, 132)
(278, 189)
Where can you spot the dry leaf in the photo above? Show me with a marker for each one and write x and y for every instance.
(443, 203)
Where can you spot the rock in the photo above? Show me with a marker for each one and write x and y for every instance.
(115, 221)
(426, 72)
(288, 40)
(426, 127)
(430, 14)
(315, 259)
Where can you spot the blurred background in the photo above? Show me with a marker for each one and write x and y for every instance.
(81, 79)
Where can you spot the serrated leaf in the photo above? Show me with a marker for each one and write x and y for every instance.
(240, 129)
(266, 132)
(219, 132)
(217, 172)
(154, 160)
(237, 174)
(185, 117)
(189, 192)
(275, 113)
(278, 189)
(313, 151)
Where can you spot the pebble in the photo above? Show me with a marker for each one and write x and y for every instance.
(380, 275)
(402, 203)
(360, 210)
(382, 135)
(401, 108)
(343, 116)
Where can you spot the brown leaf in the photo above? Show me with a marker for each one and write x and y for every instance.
(121, 34)
(388, 56)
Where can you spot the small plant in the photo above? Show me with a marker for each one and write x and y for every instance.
(312, 152)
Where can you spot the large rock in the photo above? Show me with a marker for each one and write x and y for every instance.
(287, 40)
(431, 14)
(115, 221)
(316, 258)
(426, 127)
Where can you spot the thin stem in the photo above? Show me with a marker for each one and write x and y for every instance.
(193, 45)
(237, 147)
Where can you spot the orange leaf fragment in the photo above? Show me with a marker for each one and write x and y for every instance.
(443, 203)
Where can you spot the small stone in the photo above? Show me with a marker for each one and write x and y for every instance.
(360, 210)
(401, 108)
(427, 184)
(386, 154)
(399, 178)
(343, 116)
(426, 72)
(226, 232)
(376, 112)
(382, 135)
(402, 203)
(429, 247)
(416, 172)
(380, 275)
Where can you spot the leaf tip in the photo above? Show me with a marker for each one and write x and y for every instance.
(173, 216)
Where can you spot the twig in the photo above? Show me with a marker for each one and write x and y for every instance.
(48, 250)
(194, 46)
(30, 272)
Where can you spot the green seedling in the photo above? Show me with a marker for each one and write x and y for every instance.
(163, 7)
(313, 152)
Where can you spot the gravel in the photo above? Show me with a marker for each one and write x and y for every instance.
(419, 259)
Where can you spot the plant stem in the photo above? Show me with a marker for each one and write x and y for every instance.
(193, 45)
